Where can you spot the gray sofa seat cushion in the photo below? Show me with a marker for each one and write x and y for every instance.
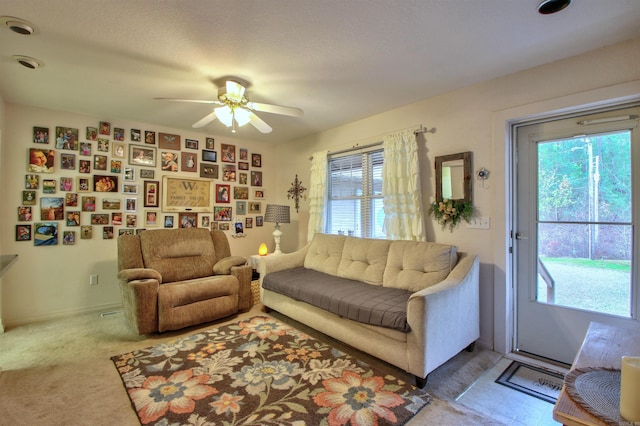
(355, 300)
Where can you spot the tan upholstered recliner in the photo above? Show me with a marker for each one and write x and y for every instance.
(175, 278)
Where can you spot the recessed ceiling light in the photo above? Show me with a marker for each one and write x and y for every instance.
(17, 25)
(28, 62)
(548, 7)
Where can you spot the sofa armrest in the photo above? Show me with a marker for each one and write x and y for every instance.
(140, 303)
(223, 266)
(139, 274)
(280, 262)
(445, 318)
(243, 274)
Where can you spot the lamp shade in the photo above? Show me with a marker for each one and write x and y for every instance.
(276, 213)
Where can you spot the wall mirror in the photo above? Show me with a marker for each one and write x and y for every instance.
(453, 177)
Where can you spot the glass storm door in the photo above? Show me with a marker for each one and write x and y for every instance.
(574, 240)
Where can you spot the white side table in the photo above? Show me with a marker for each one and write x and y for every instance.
(255, 261)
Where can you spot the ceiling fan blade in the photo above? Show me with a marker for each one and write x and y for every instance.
(205, 120)
(275, 109)
(199, 101)
(259, 124)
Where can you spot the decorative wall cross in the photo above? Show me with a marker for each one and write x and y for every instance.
(296, 191)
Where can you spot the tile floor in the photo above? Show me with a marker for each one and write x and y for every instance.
(505, 404)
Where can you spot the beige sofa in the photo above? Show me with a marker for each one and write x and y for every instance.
(442, 305)
(175, 278)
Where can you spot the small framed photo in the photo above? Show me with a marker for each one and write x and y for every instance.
(118, 133)
(168, 221)
(118, 150)
(66, 184)
(169, 141)
(241, 207)
(222, 214)
(209, 171)
(259, 193)
(129, 174)
(73, 218)
(130, 205)
(111, 203)
(23, 232)
(222, 193)
(243, 165)
(259, 220)
(84, 184)
(151, 193)
(67, 138)
(228, 153)
(151, 218)
(242, 178)
(40, 135)
(68, 238)
(188, 219)
(105, 183)
(31, 182)
(240, 193)
(105, 128)
(131, 221)
(86, 232)
(189, 163)
(129, 188)
(229, 172)
(68, 161)
(84, 166)
(223, 226)
(25, 214)
(51, 208)
(255, 207)
(256, 160)
(243, 154)
(49, 186)
(103, 145)
(107, 232)
(88, 203)
(116, 166)
(71, 200)
(29, 198)
(211, 156)
(92, 133)
(214, 226)
(85, 149)
(116, 218)
(170, 161)
(256, 178)
(147, 174)
(140, 155)
(136, 135)
(248, 222)
(41, 160)
(191, 144)
(205, 220)
(99, 219)
(209, 143)
(149, 137)
(45, 234)
(100, 162)
(238, 228)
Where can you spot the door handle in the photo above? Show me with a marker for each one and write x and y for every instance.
(519, 236)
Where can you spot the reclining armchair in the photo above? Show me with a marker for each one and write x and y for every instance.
(175, 278)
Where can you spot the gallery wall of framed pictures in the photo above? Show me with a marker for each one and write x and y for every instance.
(105, 180)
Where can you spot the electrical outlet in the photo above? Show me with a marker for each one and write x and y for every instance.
(93, 279)
(479, 223)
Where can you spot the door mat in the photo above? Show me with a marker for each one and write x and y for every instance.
(543, 384)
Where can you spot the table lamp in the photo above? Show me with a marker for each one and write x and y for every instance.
(276, 214)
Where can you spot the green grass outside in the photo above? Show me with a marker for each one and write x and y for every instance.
(614, 265)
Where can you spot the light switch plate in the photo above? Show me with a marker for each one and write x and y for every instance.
(479, 222)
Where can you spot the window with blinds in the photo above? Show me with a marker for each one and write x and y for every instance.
(354, 204)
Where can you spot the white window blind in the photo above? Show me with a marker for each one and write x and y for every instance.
(355, 194)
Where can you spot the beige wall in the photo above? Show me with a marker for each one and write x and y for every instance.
(474, 119)
(54, 281)
(2, 194)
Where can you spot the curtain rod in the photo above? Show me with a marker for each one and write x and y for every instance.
(420, 129)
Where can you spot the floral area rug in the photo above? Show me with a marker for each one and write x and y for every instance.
(261, 372)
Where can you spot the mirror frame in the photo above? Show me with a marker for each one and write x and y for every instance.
(466, 158)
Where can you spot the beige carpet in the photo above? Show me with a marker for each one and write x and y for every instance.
(59, 373)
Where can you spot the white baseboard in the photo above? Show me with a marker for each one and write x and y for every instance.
(61, 314)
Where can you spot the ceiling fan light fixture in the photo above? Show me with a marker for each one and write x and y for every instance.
(242, 116)
(225, 115)
(234, 91)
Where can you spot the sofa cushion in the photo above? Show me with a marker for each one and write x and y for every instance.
(414, 265)
(178, 254)
(223, 266)
(355, 300)
(325, 253)
(364, 259)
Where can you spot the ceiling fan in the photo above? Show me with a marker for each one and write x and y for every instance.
(235, 109)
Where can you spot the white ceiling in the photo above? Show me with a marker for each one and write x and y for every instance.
(338, 60)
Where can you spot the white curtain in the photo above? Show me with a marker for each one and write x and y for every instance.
(404, 219)
(317, 193)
